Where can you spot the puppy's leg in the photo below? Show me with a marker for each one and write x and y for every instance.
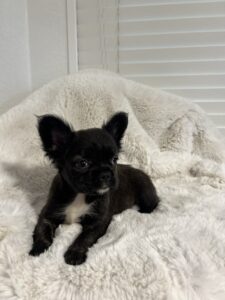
(77, 252)
(147, 199)
(43, 236)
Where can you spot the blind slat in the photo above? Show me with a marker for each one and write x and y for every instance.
(212, 107)
(173, 39)
(218, 119)
(172, 10)
(172, 54)
(178, 25)
(203, 81)
(170, 68)
(199, 93)
(160, 2)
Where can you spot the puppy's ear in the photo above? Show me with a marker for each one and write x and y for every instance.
(55, 135)
(116, 126)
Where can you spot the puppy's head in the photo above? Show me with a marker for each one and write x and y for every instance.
(86, 159)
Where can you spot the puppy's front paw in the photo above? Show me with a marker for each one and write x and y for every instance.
(75, 257)
(38, 248)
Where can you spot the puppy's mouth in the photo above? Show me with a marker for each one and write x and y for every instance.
(105, 187)
(102, 190)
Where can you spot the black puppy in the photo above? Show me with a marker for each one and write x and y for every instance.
(90, 186)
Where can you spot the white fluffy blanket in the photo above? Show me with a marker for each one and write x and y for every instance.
(175, 253)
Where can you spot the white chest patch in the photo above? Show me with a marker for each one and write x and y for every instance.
(76, 209)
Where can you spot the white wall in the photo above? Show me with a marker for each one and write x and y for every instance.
(14, 51)
(47, 21)
(33, 46)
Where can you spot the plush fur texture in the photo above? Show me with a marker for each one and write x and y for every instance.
(177, 252)
(90, 187)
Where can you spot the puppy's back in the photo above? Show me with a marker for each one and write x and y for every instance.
(135, 188)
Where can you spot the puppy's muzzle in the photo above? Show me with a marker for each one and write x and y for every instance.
(105, 177)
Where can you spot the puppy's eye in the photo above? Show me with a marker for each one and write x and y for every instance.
(81, 164)
(115, 158)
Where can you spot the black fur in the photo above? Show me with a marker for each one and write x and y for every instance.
(87, 162)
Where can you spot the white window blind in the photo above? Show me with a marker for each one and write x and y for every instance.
(178, 46)
(175, 45)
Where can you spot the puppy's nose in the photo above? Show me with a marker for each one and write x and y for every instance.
(105, 177)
